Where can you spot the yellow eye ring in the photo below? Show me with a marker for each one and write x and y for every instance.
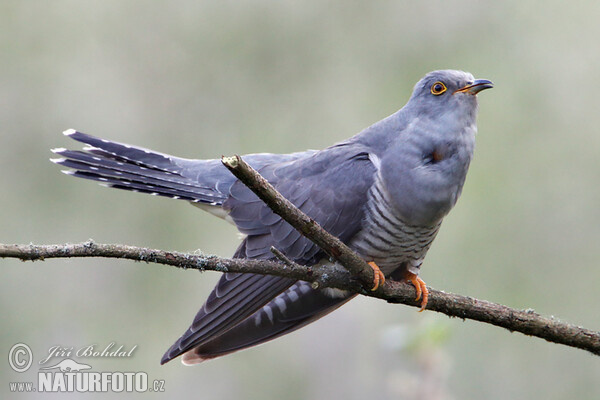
(438, 88)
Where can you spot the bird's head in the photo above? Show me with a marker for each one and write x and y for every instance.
(425, 166)
(445, 93)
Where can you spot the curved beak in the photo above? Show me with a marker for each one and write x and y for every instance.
(477, 86)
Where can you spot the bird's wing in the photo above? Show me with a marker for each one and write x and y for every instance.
(331, 187)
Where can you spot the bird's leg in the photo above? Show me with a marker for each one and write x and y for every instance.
(420, 287)
(378, 277)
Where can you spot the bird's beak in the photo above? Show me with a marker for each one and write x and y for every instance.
(477, 86)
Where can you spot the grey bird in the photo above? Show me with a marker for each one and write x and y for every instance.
(384, 192)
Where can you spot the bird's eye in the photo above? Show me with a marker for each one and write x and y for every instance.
(438, 88)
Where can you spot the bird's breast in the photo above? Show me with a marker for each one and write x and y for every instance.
(387, 239)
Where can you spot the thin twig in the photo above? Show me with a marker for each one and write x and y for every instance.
(282, 257)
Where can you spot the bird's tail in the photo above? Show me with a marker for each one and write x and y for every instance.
(137, 169)
(294, 308)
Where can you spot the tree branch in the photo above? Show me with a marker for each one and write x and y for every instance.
(308, 227)
(326, 276)
(525, 321)
(356, 276)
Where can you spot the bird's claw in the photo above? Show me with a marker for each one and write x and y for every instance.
(378, 277)
(420, 287)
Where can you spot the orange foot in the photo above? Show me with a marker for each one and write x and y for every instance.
(420, 287)
(378, 277)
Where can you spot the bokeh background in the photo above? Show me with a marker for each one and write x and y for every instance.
(202, 79)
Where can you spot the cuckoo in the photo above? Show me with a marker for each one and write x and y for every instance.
(384, 192)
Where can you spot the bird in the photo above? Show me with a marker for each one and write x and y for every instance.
(384, 192)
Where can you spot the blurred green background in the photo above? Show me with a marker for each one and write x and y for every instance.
(202, 79)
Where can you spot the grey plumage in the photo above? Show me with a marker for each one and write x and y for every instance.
(384, 192)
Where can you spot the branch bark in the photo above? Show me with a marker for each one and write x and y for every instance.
(525, 321)
(355, 276)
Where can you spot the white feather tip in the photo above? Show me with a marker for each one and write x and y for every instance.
(69, 132)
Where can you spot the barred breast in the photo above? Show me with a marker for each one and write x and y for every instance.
(388, 240)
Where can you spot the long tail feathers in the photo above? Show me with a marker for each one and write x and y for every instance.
(135, 169)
